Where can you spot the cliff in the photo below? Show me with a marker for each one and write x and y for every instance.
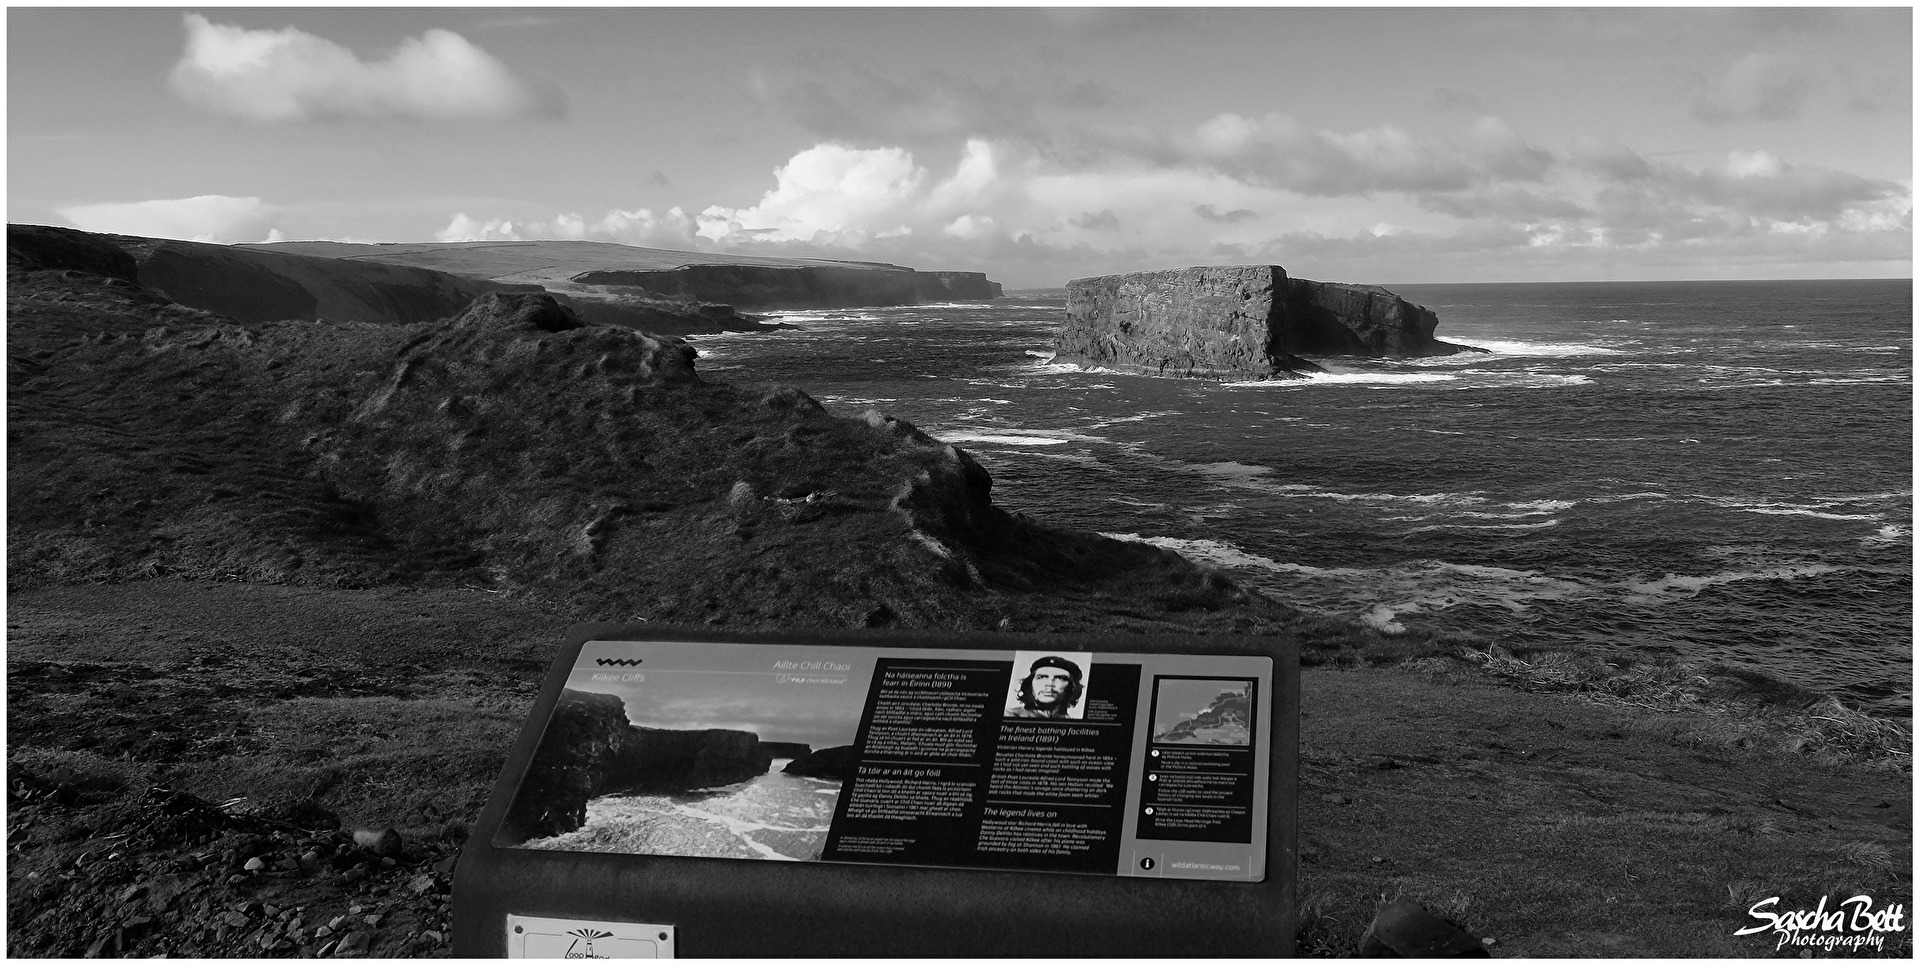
(590, 749)
(254, 284)
(836, 763)
(765, 287)
(602, 271)
(787, 749)
(1235, 322)
(954, 287)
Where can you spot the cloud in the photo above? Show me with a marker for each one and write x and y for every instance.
(1757, 87)
(1458, 102)
(206, 218)
(673, 229)
(1110, 24)
(840, 99)
(837, 190)
(289, 75)
(1103, 220)
(1279, 151)
(516, 22)
(1609, 159)
(1210, 213)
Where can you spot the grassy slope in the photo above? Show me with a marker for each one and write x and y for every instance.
(281, 561)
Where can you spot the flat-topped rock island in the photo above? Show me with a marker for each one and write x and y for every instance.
(1236, 322)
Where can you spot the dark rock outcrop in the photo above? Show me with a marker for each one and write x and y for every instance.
(590, 749)
(1235, 322)
(836, 762)
(812, 287)
(583, 735)
(787, 749)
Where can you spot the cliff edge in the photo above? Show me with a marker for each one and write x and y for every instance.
(1249, 321)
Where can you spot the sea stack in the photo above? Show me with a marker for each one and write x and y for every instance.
(1236, 322)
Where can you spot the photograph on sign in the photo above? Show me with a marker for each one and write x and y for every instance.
(735, 757)
(1048, 685)
(1203, 711)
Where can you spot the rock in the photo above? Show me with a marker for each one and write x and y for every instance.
(590, 748)
(379, 841)
(1235, 322)
(787, 749)
(355, 943)
(1404, 928)
(834, 762)
(304, 814)
(954, 287)
(255, 864)
(1335, 799)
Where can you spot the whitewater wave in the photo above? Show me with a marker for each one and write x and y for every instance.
(1887, 535)
(1010, 436)
(1673, 586)
(1486, 526)
(1379, 597)
(1781, 511)
(1512, 348)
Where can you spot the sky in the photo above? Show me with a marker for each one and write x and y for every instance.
(1346, 144)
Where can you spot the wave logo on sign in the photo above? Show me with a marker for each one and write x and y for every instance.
(587, 936)
(1855, 925)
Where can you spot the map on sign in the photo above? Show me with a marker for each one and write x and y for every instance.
(1202, 711)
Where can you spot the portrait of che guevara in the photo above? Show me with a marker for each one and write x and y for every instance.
(1052, 688)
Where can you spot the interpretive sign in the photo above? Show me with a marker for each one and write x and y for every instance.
(936, 765)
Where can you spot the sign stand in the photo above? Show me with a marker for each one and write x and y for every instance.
(819, 793)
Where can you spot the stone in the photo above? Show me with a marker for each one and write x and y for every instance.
(355, 943)
(379, 841)
(1235, 322)
(1405, 928)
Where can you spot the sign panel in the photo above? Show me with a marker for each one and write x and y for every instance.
(1120, 764)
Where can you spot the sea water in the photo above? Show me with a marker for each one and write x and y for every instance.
(774, 816)
(1716, 470)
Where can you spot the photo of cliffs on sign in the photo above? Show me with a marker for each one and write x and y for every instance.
(1201, 712)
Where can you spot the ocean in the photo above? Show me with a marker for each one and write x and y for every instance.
(1715, 470)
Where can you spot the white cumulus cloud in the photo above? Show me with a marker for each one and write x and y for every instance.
(291, 75)
(206, 218)
(673, 228)
(830, 188)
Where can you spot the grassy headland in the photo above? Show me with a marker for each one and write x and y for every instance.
(267, 578)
